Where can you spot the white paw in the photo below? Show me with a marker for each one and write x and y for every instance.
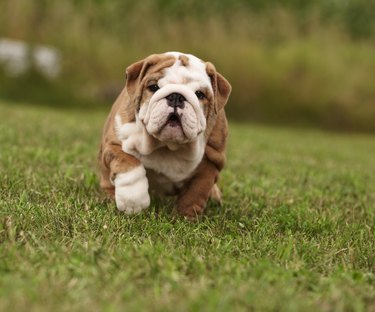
(131, 191)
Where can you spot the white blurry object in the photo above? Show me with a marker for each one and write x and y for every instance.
(18, 56)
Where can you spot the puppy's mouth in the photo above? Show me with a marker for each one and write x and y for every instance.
(173, 130)
(173, 120)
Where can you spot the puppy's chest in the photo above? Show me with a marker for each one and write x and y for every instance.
(168, 170)
(167, 167)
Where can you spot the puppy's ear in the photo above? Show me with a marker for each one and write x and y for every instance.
(132, 73)
(134, 85)
(137, 71)
(220, 86)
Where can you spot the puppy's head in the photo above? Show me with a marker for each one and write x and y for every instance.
(176, 96)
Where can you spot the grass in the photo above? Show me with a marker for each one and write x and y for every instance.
(296, 231)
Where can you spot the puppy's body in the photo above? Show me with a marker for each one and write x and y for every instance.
(163, 134)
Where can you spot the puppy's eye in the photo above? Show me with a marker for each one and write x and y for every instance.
(200, 95)
(153, 88)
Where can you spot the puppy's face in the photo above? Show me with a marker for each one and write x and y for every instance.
(176, 94)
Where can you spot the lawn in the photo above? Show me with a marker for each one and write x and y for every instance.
(296, 230)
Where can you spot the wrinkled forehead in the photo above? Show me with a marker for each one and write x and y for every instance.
(188, 70)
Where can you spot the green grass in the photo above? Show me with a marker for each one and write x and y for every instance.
(296, 231)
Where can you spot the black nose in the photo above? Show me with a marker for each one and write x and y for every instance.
(176, 100)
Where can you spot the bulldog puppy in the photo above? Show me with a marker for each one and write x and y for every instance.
(166, 132)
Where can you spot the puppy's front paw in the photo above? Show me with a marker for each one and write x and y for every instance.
(131, 191)
(191, 212)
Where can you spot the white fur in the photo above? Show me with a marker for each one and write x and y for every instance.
(194, 75)
(134, 137)
(131, 190)
(155, 114)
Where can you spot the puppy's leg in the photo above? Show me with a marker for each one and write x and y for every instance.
(124, 178)
(193, 200)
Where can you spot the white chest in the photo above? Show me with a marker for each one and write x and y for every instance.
(167, 170)
(167, 166)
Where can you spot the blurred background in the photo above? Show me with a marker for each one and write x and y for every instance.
(290, 62)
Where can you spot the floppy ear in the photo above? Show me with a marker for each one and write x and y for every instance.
(133, 87)
(220, 86)
(134, 75)
(137, 71)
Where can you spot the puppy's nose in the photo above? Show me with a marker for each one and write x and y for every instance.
(176, 100)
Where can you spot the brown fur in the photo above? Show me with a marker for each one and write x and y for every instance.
(193, 197)
(184, 60)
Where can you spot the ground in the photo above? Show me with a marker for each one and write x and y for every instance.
(296, 230)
